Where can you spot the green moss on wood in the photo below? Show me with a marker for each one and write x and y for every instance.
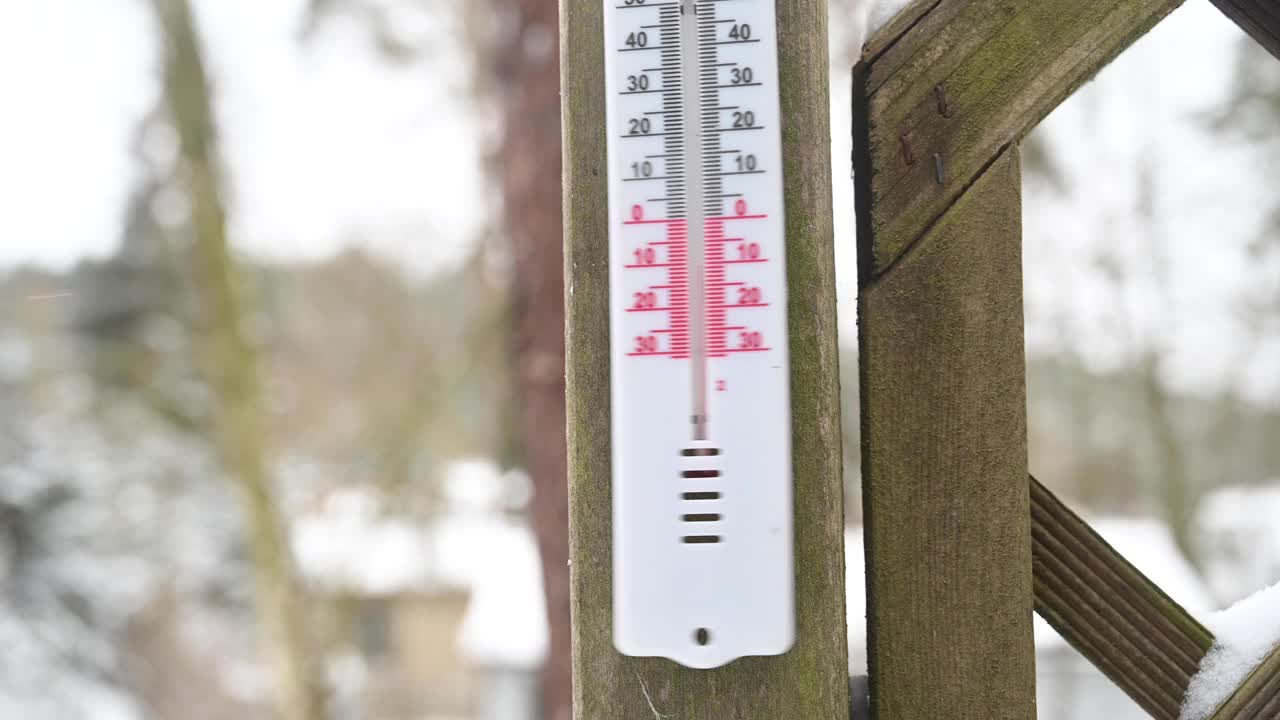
(1003, 66)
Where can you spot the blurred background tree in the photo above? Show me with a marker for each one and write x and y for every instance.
(229, 360)
(523, 60)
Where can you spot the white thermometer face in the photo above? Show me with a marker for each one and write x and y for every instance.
(702, 536)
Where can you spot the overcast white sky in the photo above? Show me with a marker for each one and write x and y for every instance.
(325, 142)
(328, 142)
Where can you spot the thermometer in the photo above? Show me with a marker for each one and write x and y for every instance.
(702, 517)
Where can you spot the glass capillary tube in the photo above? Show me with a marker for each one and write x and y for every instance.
(695, 211)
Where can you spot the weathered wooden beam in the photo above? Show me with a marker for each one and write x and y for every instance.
(945, 493)
(811, 680)
(951, 83)
(1259, 18)
(1108, 610)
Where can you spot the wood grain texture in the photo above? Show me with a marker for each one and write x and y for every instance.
(945, 492)
(1109, 611)
(811, 681)
(1259, 18)
(963, 81)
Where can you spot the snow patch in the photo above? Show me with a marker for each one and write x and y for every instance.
(353, 543)
(1240, 538)
(1244, 634)
(351, 546)
(480, 548)
(506, 620)
(473, 485)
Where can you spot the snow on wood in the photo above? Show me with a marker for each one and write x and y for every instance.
(1245, 633)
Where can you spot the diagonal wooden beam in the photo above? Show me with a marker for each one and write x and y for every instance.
(1108, 610)
(950, 83)
(1259, 18)
(1124, 624)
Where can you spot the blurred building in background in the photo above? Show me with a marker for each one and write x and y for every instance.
(443, 619)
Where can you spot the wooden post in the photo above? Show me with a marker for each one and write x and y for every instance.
(945, 495)
(942, 96)
(810, 682)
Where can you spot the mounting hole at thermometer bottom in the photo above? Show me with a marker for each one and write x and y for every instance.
(702, 636)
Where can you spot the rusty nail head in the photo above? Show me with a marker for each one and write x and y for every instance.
(908, 153)
(944, 107)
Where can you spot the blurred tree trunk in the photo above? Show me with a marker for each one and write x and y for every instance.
(1174, 483)
(1176, 496)
(231, 365)
(526, 70)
